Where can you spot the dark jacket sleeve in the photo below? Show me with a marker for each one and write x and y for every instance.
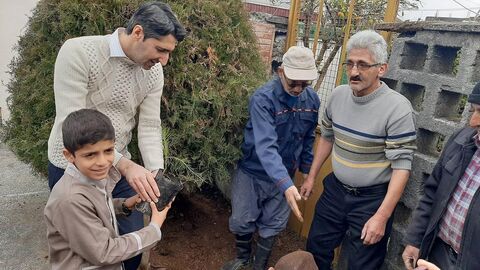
(307, 151)
(266, 146)
(421, 216)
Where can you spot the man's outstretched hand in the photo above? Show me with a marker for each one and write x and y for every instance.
(292, 196)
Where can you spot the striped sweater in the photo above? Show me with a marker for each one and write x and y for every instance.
(372, 135)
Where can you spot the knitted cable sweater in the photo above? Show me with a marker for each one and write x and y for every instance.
(88, 76)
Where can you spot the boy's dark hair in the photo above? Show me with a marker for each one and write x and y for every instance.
(157, 19)
(86, 126)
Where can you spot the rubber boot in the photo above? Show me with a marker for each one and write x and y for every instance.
(262, 254)
(243, 245)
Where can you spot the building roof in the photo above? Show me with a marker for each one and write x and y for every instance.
(275, 11)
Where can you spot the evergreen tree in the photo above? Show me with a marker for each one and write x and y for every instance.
(207, 81)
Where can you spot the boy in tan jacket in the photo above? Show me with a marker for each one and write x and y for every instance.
(80, 213)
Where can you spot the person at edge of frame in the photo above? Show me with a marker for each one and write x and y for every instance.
(445, 228)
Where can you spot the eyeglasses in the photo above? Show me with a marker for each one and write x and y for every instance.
(360, 66)
(293, 84)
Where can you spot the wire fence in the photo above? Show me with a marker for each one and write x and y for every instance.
(329, 81)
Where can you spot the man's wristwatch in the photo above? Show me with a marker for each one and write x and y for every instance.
(127, 211)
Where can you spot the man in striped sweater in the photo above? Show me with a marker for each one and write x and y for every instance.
(369, 131)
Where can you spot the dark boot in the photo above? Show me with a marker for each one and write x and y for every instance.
(243, 245)
(264, 248)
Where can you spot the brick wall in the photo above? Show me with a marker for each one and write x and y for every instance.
(276, 11)
(265, 37)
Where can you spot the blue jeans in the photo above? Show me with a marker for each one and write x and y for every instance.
(129, 224)
(257, 204)
(340, 214)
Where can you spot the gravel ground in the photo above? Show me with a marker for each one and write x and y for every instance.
(23, 195)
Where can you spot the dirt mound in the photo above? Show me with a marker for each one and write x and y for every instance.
(196, 236)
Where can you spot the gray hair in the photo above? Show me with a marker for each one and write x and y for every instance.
(372, 41)
(157, 19)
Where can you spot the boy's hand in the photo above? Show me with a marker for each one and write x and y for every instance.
(159, 217)
(130, 202)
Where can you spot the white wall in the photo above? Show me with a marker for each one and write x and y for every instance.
(13, 17)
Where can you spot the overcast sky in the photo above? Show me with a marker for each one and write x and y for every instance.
(443, 8)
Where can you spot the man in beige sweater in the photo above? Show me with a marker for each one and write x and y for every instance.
(80, 213)
(119, 75)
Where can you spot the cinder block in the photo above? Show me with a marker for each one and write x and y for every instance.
(435, 66)
(395, 249)
(413, 56)
(476, 69)
(450, 105)
(415, 93)
(445, 60)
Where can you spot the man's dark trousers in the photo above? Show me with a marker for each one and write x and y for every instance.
(129, 224)
(443, 255)
(341, 212)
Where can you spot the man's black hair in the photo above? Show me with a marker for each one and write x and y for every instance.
(157, 19)
(86, 126)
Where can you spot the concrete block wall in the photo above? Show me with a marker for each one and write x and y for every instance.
(435, 65)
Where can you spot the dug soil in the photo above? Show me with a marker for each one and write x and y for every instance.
(196, 235)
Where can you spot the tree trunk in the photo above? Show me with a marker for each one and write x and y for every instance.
(306, 34)
(321, 54)
(328, 61)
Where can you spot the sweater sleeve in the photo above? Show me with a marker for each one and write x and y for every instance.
(70, 91)
(70, 79)
(326, 126)
(401, 136)
(70, 86)
(150, 126)
(77, 222)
